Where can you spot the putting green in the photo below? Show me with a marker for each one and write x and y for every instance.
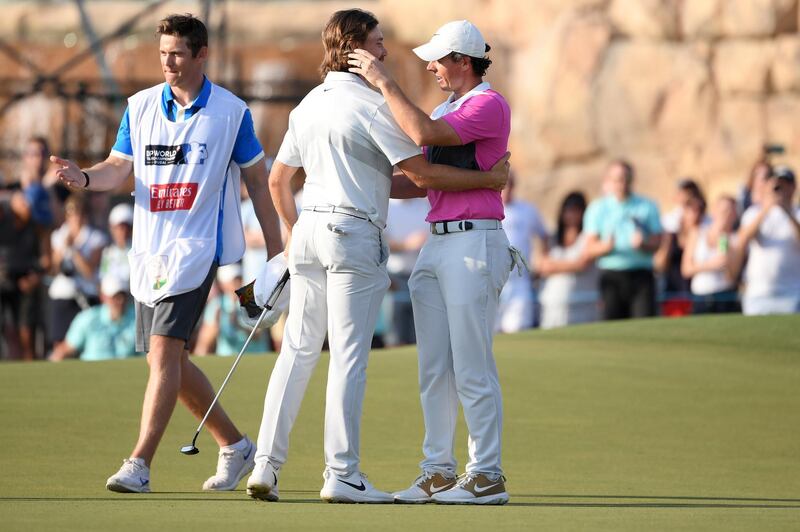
(655, 424)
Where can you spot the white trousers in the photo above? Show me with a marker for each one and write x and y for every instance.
(455, 289)
(338, 268)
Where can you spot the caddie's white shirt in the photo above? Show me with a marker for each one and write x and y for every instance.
(346, 139)
(186, 187)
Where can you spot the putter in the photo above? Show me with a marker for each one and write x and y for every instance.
(273, 297)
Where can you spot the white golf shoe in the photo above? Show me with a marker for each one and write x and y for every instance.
(354, 488)
(428, 484)
(474, 488)
(263, 483)
(232, 466)
(132, 477)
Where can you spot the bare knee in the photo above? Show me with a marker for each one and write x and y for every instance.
(165, 352)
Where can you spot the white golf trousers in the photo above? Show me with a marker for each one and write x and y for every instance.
(338, 268)
(455, 289)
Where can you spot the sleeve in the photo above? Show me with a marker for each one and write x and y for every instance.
(653, 219)
(591, 223)
(748, 215)
(289, 152)
(76, 334)
(122, 147)
(480, 117)
(391, 140)
(247, 149)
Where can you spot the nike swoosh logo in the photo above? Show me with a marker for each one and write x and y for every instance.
(247, 455)
(144, 481)
(360, 487)
(437, 489)
(275, 477)
(479, 489)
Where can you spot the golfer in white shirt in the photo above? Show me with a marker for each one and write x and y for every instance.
(344, 137)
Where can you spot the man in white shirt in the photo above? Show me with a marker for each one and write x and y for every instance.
(187, 160)
(769, 239)
(347, 142)
(523, 225)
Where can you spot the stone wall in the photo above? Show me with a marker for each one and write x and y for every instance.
(679, 87)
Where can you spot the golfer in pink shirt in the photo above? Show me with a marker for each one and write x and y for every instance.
(461, 270)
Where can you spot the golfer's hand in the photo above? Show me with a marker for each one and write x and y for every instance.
(69, 173)
(499, 173)
(288, 245)
(369, 66)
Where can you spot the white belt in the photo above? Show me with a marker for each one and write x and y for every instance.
(457, 226)
(355, 213)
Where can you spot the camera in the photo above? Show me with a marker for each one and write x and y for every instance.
(67, 267)
(774, 149)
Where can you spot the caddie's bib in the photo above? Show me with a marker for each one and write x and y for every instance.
(186, 185)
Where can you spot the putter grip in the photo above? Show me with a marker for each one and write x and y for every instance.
(276, 292)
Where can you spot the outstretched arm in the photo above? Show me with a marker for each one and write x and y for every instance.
(105, 175)
(450, 178)
(423, 130)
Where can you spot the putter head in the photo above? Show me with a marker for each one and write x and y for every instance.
(189, 449)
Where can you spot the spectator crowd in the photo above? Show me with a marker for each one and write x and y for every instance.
(64, 274)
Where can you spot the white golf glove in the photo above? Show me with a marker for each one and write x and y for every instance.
(254, 297)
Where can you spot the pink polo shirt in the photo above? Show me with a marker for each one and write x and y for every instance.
(482, 120)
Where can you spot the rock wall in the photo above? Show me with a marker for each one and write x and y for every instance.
(679, 87)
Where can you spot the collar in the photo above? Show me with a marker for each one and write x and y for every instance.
(480, 87)
(199, 102)
(344, 76)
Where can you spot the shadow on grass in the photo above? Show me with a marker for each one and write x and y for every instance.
(655, 501)
(602, 501)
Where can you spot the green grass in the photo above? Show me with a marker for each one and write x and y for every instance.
(690, 424)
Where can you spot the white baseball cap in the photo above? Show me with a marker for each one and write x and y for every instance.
(229, 272)
(121, 214)
(113, 285)
(458, 36)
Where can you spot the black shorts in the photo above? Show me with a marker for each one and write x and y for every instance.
(174, 316)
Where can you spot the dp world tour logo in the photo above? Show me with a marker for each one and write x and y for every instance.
(162, 155)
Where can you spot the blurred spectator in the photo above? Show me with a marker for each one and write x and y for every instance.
(623, 231)
(27, 219)
(750, 192)
(102, 332)
(706, 260)
(77, 248)
(406, 232)
(35, 165)
(523, 224)
(686, 191)
(676, 288)
(569, 291)
(114, 259)
(769, 239)
(222, 332)
(20, 276)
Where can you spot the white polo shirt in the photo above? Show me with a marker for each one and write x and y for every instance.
(346, 139)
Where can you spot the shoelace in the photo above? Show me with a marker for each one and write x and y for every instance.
(464, 479)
